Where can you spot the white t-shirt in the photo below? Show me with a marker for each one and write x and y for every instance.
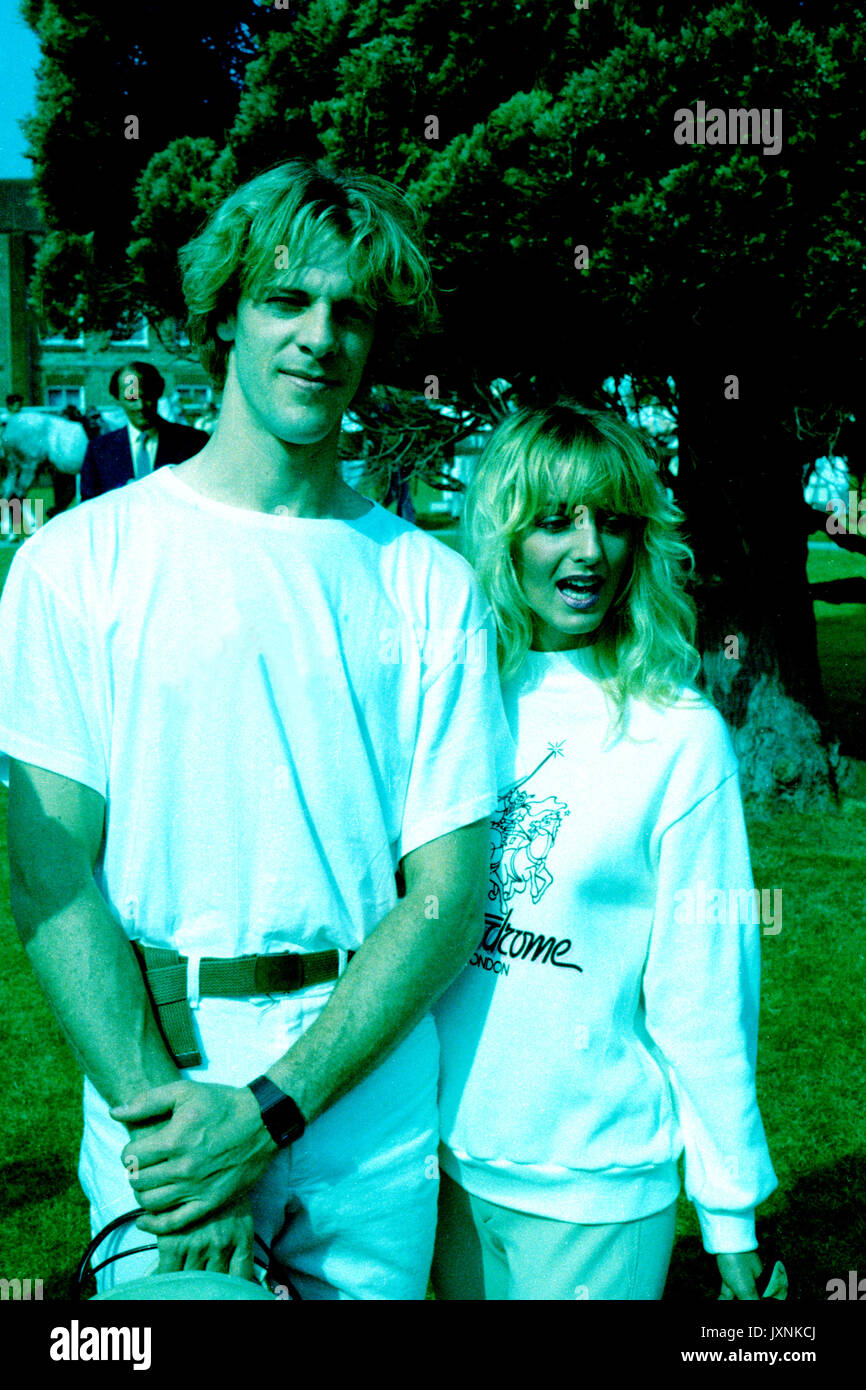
(608, 1021)
(276, 709)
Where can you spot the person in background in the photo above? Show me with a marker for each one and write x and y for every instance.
(603, 1025)
(146, 441)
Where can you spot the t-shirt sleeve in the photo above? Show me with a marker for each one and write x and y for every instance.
(464, 753)
(50, 697)
(701, 992)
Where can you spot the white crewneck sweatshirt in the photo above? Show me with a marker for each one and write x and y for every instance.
(608, 1020)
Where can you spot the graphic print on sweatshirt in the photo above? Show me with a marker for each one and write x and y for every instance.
(523, 834)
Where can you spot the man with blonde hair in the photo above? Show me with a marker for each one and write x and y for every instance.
(234, 722)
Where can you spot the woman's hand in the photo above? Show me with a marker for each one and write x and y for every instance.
(739, 1272)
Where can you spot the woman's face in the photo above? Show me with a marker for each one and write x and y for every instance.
(570, 566)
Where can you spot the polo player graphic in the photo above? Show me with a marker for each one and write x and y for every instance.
(523, 834)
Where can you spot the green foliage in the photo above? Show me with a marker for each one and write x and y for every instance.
(64, 274)
(175, 192)
(555, 130)
(176, 70)
(706, 237)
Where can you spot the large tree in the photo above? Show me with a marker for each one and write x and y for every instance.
(526, 131)
(117, 83)
(739, 274)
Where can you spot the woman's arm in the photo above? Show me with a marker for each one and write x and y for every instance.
(701, 993)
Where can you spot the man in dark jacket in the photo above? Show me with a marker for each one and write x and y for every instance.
(145, 442)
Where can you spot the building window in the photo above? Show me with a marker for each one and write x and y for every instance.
(192, 398)
(71, 338)
(194, 395)
(131, 334)
(58, 397)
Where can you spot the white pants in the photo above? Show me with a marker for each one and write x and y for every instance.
(350, 1209)
(488, 1252)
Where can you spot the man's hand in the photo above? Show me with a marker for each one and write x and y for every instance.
(223, 1243)
(211, 1150)
(739, 1272)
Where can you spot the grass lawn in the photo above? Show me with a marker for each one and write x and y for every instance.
(809, 1069)
(842, 646)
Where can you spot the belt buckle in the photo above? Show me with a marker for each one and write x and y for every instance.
(271, 973)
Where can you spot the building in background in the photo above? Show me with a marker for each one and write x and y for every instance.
(53, 372)
(20, 228)
(439, 508)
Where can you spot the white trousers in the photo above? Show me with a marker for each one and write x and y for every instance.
(488, 1252)
(350, 1209)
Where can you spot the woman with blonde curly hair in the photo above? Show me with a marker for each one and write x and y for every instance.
(607, 1022)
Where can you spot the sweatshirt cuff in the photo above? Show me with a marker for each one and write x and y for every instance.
(727, 1233)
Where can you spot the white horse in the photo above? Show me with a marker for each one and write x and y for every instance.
(31, 439)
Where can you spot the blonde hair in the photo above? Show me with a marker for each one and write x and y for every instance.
(277, 217)
(564, 453)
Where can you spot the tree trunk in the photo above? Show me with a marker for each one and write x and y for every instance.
(739, 485)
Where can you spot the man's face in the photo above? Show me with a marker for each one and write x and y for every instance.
(298, 353)
(138, 407)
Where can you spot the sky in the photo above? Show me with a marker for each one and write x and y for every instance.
(19, 54)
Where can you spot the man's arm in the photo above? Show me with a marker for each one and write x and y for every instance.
(212, 1149)
(399, 973)
(85, 965)
(80, 954)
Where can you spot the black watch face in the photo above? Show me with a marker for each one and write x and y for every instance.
(280, 1115)
(284, 1122)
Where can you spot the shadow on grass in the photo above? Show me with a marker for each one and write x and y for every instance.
(851, 590)
(26, 1187)
(46, 1177)
(819, 1228)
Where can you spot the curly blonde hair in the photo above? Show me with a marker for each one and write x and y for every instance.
(274, 220)
(538, 458)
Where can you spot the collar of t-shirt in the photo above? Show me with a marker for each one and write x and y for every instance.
(150, 438)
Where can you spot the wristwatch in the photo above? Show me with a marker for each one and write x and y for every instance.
(280, 1114)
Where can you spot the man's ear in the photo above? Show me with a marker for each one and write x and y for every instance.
(226, 329)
